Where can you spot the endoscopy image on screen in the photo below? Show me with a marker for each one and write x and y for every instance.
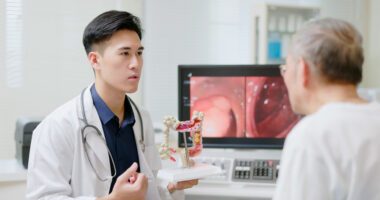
(242, 107)
(268, 110)
(222, 100)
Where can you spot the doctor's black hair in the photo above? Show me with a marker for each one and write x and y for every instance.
(106, 24)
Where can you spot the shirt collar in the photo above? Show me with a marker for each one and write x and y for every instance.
(128, 111)
(105, 114)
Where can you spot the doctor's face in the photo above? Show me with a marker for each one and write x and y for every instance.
(120, 62)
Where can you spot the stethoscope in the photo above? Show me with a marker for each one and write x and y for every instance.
(87, 125)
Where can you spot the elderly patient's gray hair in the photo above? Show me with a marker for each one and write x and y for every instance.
(333, 48)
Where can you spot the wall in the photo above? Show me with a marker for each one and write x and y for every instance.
(372, 72)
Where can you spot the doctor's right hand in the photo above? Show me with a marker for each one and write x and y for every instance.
(129, 185)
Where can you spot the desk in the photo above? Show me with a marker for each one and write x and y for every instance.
(12, 180)
(220, 191)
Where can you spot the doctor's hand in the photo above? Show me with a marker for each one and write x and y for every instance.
(181, 185)
(129, 185)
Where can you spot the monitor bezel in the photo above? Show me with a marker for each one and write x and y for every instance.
(271, 70)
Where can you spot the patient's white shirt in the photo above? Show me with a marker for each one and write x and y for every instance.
(333, 154)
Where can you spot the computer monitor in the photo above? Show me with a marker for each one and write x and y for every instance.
(245, 106)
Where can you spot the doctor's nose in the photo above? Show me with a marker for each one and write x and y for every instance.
(135, 62)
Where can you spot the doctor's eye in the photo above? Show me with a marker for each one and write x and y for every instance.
(125, 53)
(140, 53)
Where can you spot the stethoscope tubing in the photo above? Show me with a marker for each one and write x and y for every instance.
(87, 125)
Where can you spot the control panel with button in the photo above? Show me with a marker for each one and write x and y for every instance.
(242, 170)
(265, 171)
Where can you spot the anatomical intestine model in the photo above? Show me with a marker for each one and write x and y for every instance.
(194, 126)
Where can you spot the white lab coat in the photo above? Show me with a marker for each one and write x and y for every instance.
(58, 166)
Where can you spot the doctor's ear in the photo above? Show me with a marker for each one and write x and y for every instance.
(94, 57)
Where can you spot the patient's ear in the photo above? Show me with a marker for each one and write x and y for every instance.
(94, 58)
(304, 72)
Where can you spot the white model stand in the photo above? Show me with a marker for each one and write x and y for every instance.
(186, 170)
(198, 171)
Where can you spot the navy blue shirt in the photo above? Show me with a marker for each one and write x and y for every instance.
(120, 139)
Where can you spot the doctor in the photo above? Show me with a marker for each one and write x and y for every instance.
(100, 145)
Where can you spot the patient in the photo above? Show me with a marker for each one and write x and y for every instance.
(333, 152)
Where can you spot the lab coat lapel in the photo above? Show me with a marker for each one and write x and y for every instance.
(152, 192)
(137, 130)
(96, 143)
(140, 144)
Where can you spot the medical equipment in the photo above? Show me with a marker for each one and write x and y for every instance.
(194, 126)
(23, 137)
(246, 106)
(187, 169)
(86, 146)
(265, 171)
(244, 171)
(247, 117)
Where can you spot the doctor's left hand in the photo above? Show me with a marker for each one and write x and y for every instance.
(182, 185)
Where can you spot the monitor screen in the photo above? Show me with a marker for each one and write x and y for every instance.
(244, 106)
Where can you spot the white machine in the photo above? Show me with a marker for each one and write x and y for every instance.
(247, 116)
(246, 174)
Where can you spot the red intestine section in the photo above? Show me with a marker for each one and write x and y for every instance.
(269, 114)
(194, 126)
(221, 99)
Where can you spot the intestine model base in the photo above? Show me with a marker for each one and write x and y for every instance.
(194, 126)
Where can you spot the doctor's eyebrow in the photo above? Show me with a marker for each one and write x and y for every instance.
(129, 48)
